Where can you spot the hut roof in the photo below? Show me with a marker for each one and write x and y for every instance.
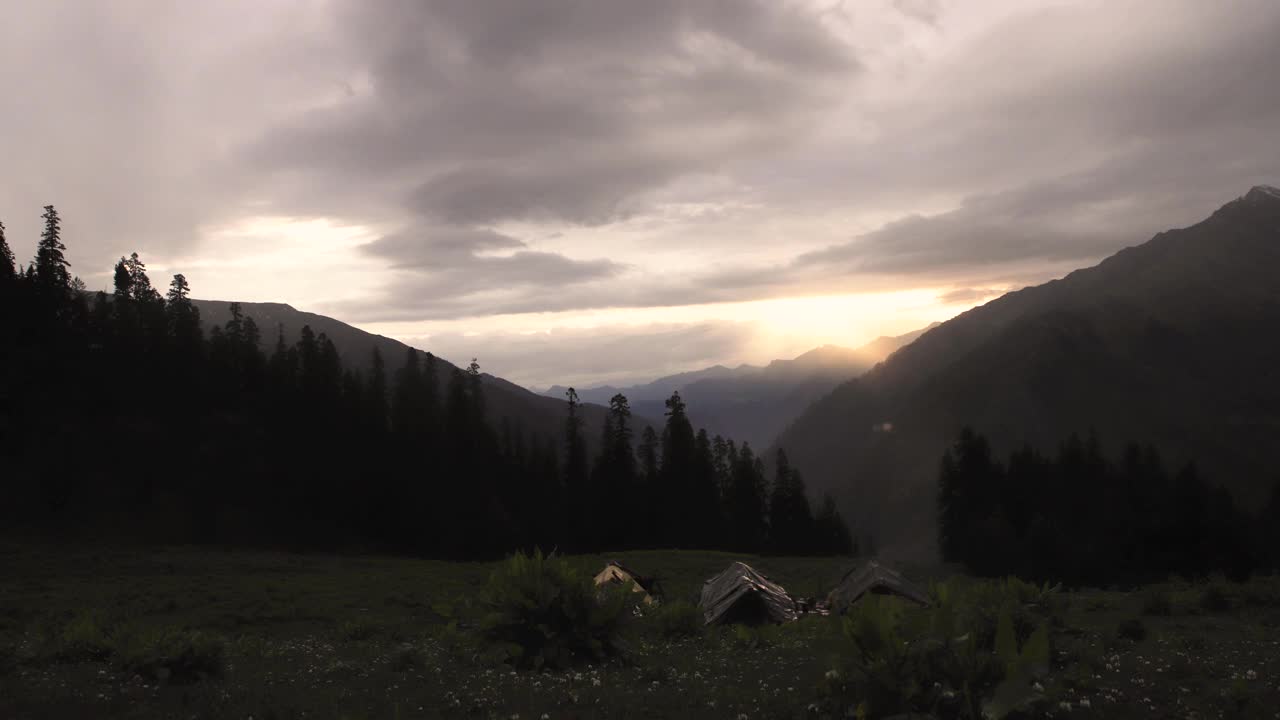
(876, 579)
(616, 572)
(740, 594)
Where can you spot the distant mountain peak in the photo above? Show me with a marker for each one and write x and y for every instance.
(1263, 192)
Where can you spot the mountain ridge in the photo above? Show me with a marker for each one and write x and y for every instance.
(1157, 343)
(752, 403)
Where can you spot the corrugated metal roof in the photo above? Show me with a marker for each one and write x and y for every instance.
(741, 587)
(874, 578)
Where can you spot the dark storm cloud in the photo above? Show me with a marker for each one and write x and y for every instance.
(490, 111)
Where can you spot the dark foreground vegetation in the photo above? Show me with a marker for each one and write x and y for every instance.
(1080, 517)
(195, 634)
(120, 419)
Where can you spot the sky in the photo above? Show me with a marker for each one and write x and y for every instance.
(591, 191)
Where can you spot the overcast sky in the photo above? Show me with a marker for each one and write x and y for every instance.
(580, 191)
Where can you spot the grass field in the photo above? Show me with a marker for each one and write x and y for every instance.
(273, 635)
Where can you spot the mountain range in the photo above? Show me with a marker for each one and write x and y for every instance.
(1174, 342)
(536, 414)
(750, 403)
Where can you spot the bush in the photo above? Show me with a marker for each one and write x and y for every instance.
(85, 637)
(358, 630)
(1132, 629)
(903, 659)
(405, 658)
(172, 655)
(679, 619)
(1214, 598)
(542, 612)
(1157, 602)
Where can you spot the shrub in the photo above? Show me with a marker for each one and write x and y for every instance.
(1214, 598)
(903, 659)
(172, 655)
(678, 619)
(405, 658)
(358, 630)
(542, 612)
(1156, 602)
(85, 636)
(1132, 629)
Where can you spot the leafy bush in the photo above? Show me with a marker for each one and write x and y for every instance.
(172, 655)
(1132, 629)
(86, 636)
(1156, 602)
(1214, 597)
(1262, 592)
(405, 658)
(679, 619)
(543, 612)
(358, 630)
(904, 659)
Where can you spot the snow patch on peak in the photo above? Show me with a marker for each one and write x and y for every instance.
(1267, 190)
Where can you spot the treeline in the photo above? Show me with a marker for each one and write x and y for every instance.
(121, 419)
(685, 489)
(1080, 517)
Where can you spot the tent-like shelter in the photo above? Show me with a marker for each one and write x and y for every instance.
(742, 595)
(616, 573)
(874, 578)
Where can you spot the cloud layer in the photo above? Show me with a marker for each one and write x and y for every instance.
(530, 159)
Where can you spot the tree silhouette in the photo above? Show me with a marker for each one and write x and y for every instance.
(50, 263)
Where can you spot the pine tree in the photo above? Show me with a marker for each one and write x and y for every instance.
(833, 536)
(375, 409)
(475, 391)
(790, 518)
(183, 321)
(747, 507)
(575, 474)
(406, 413)
(139, 284)
(675, 501)
(8, 270)
(50, 263)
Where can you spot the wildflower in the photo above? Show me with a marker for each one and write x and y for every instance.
(595, 682)
(832, 674)
(1038, 687)
(1084, 703)
(1251, 675)
(1064, 705)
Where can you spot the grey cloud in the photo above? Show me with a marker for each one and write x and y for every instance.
(925, 11)
(967, 295)
(447, 269)
(120, 113)
(561, 110)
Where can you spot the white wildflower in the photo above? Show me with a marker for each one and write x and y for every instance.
(1084, 703)
(1038, 687)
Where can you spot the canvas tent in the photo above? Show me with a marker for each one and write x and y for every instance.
(875, 579)
(616, 573)
(742, 595)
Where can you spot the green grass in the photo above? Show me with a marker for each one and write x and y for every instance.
(188, 633)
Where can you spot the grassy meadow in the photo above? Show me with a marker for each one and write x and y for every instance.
(188, 633)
